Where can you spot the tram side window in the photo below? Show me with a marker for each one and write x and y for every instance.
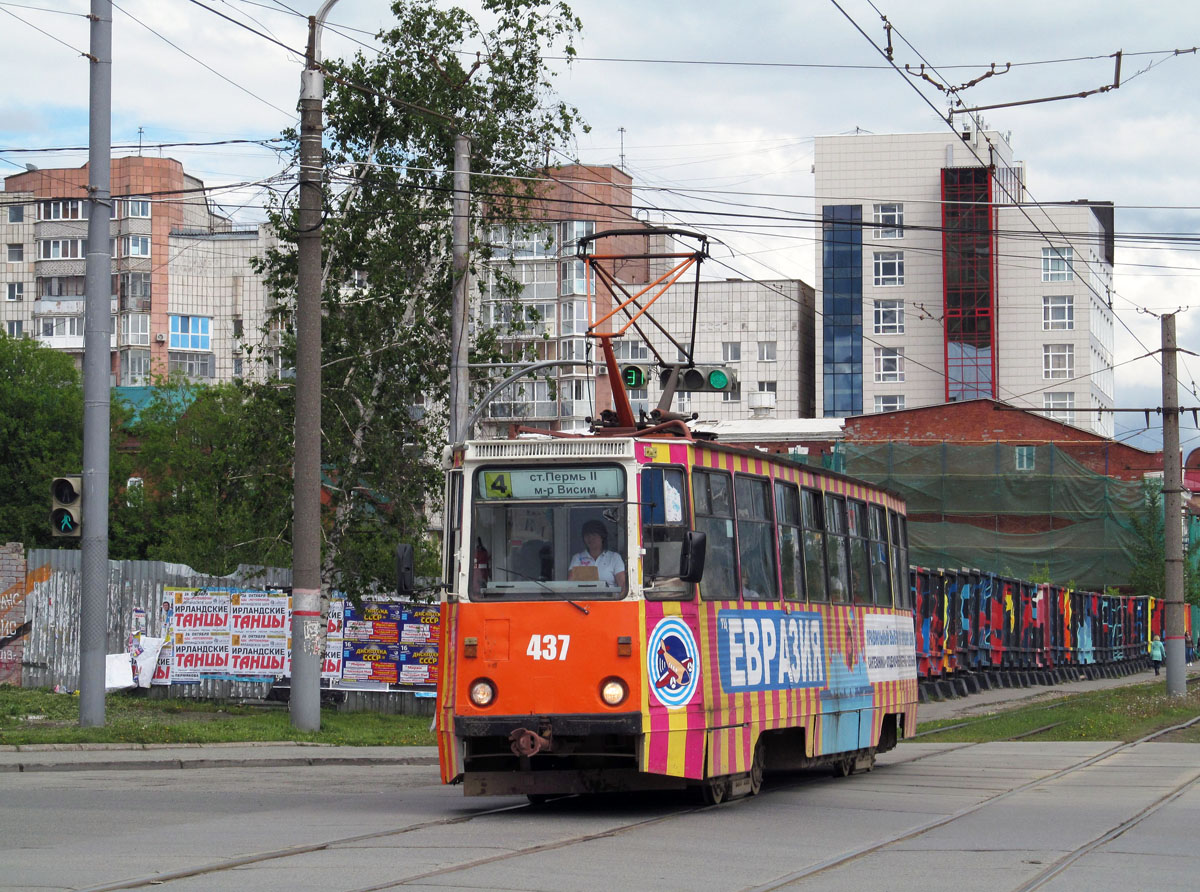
(756, 539)
(664, 525)
(814, 544)
(714, 518)
(787, 512)
(835, 548)
(860, 581)
(880, 569)
(900, 583)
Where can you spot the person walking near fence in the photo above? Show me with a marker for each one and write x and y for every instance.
(1157, 653)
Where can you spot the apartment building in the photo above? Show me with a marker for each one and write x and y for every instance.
(941, 280)
(762, 330)
(184, 297)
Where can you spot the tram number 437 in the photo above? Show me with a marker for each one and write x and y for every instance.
(548, 647)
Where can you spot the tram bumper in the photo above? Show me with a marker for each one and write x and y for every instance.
(549, 754)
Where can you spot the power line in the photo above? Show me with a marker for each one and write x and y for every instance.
(47, 33)
(227, 80)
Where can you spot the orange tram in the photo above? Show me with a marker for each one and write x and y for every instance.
(653, 611)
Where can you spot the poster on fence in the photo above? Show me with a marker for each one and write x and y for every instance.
(246, 634)
(389, 643)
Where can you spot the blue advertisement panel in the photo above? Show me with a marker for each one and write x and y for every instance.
(769, 650)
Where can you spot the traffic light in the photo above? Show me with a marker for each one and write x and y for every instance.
(635, 376)
(704, 379)
(66, 506)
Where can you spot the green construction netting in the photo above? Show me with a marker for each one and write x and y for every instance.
(964, 502)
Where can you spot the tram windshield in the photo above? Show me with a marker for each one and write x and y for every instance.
(549, 532)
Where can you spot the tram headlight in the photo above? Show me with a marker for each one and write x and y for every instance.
(613, 691)
(482, 692)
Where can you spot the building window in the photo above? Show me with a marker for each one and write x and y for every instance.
(134, 290)
(237, 366)
(16, 328)
(62, 326)
(63, 209)
(238, 328)
(16, 290)
(16, 213)
(136, 207)
(135, 329)
(889, 317)
(1060, 406)
(1024, 457)
(733, 394)
(62, 286)
(61, 248)
(892, 403)
(766, 351)
(1058, 312)
(889, 268)
(572, 232)
(135, 246)
(1056, 264)
(889, 221)
(190, 333)
(768, 386)
(16, 253)
(1058, 360)
(192, 365)
(574, 317)
(889, 364)
(731, 351)
(135, 367)
(574, 278)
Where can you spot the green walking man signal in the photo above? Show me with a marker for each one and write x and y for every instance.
(66, 506)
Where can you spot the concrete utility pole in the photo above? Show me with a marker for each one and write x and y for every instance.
(305, 694)
(97, 363)
(459, 334)
(1172, 511)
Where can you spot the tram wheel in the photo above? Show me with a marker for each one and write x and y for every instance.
(843, 767)
(757, 767)
(714, 791)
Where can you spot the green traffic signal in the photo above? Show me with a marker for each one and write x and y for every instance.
(717, 379)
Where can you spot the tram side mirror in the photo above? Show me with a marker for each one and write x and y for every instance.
(691, 558)
(405, 581)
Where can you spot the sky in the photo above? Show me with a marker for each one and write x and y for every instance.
(712, 106)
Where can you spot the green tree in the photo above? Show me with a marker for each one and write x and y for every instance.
(388, 277)
(41, 436)
(215, 465)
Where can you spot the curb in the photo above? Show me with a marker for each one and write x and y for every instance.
(159, 764)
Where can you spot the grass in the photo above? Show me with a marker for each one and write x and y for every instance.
(1126, 713)
(31, 716)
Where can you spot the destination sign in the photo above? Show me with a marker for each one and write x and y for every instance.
(552, 483)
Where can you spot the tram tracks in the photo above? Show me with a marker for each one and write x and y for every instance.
(1053, 870)
(840, 860)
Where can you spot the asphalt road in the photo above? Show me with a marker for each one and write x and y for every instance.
(1002, 816)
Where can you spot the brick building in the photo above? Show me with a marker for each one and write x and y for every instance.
(184, 297)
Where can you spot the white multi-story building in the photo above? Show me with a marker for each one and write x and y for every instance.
(184, 296)
(762, 330)
(941, 280)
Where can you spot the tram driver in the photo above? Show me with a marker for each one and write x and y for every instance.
(596, 562)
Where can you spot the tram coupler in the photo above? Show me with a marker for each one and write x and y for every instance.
(528, 743)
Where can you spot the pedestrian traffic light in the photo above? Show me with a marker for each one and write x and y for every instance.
(704, 379)
(635, 376)
(66, 506)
